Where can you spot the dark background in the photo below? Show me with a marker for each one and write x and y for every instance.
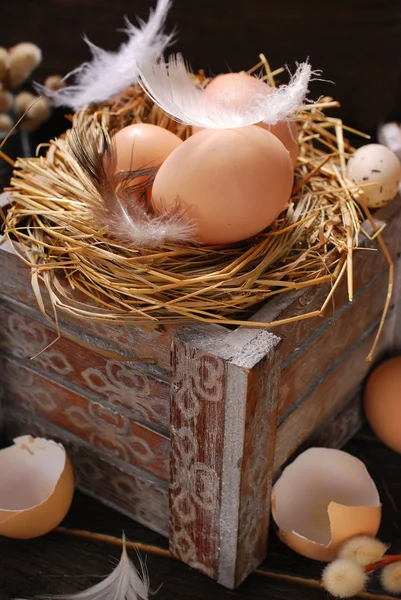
(356, 43)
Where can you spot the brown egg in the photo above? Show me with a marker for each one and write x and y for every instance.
(382, 400)
(232, 182)
(37, 486)
(143, 145)
(287, 133)
(239, 88)
(322, 499)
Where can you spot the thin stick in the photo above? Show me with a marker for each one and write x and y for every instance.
(114, 541)
(162, 552)
(309, 176)
(268, 70)
(255, 68)
(390, 277)
(7, 159)
(386, 560)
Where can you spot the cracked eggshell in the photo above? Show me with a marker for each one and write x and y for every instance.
(377, 170)
(322, 499)
(37, 486)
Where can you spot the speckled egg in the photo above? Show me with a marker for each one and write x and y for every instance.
(377, 170)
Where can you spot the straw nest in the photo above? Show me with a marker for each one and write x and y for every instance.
(90, 275)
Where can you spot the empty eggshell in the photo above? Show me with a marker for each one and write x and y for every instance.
(322, 499)
(37, 486)
(241, 89)
(377, 170)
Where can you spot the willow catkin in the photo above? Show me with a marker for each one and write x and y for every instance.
(25, 57)
(391, 578)
(344, 578)
(6, 123)
(16, 77)
(54, 82)
(364, 549)
(4, 62)
(23, 101)
(6, 101)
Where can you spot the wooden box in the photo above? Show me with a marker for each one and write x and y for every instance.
(183, 428)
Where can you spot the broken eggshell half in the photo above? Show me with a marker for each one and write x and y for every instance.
(36, 487)
(322, 499)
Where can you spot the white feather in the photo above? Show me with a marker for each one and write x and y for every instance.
(119, 203)
(112, 72)
(124, 583)
(169, 85)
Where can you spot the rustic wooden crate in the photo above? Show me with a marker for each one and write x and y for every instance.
(183, 428)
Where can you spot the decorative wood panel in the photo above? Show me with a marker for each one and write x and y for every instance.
(130, 491)
(223, 411)
(127, 389)
(366, 265)
(93, 422)
(328, 395)
(149, 344)
(224, 404)
(340, 426)
(196, 456)
(257, 465)
(321, 351)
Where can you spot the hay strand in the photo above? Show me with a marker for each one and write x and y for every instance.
(90, 275)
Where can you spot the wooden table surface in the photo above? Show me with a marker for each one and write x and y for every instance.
(58, 563)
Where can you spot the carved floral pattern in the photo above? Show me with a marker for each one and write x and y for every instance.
(102, 427)
(131, 493)
(194, 484)
(120, 383)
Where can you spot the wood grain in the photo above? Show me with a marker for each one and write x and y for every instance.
(223, 413)
(144, 344)
(257, 463)
(319, 352)
(327, 396)
(341, 426)
(125, 388)
(196, 456)
(129, 490)
(92, 421)
(56, 564)
(366, 265)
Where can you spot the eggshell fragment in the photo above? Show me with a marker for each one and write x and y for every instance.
(382, 402)
(322, 499)
(37, 486)
(240, 89)
(377, 170)
(232, 182)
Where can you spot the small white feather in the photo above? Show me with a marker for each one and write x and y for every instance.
(124, 583)
(169, 85)
(112, 72)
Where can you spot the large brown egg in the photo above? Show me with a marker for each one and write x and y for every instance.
(232, 182)
(382, 401)
(143, 145)
(238, 89)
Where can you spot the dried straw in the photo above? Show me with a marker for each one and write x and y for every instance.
(90, 275)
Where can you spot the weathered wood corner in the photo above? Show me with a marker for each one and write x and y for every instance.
(224, 400)
(183, 428)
